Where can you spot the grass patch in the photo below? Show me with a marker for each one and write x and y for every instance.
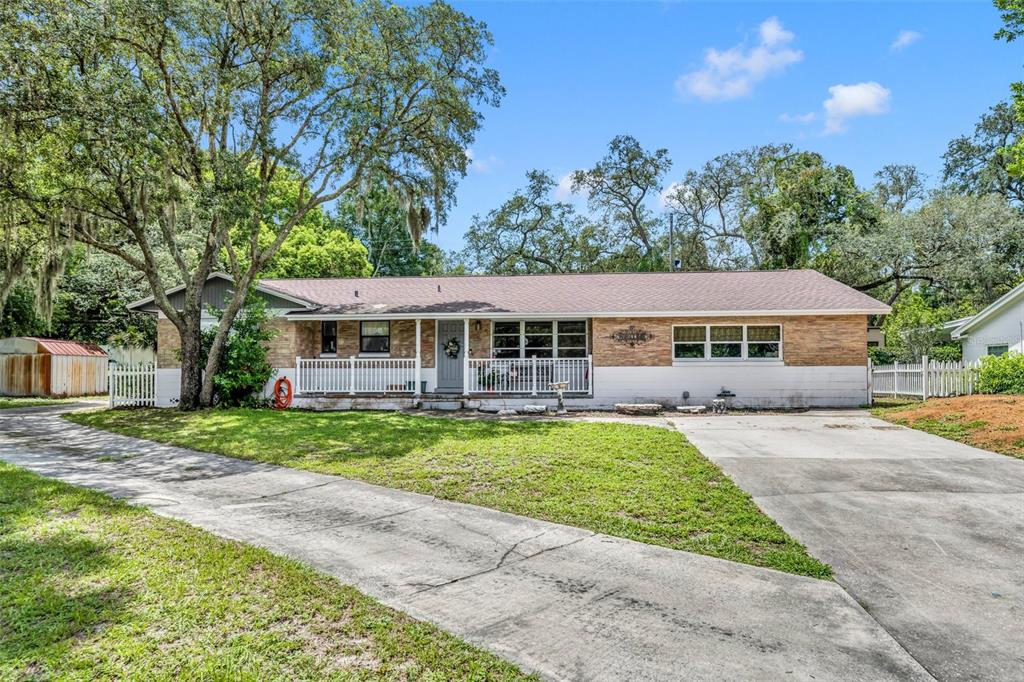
(990, 422)
(93, 588)
(642, 483)
(11, 403)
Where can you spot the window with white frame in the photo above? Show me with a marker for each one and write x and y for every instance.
(375, 337)
(506, 340)
(689, 343)
(764, 342)
(571, 337)
(726, 342)
(539, 338)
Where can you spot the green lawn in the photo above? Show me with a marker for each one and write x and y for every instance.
(92, 588)
(8, 403)
(643, 483)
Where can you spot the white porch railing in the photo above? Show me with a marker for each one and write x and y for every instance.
(131, 385)
(925, 379)
(529, 375)
(355, 375)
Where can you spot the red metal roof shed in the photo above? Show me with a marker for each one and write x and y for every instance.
(78, 348)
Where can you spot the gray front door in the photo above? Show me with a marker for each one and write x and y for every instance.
(449, 366)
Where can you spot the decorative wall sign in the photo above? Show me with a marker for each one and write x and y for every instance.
(631, 336)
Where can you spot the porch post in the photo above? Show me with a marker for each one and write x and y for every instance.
(419, 360)
(465, 356)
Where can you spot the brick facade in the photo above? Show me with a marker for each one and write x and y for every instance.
(479, 339)
(835, 340)
(303, 338)
(293, 339)
(167, 344)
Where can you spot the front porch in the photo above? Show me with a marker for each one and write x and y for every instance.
(396, 378)
(401, 360)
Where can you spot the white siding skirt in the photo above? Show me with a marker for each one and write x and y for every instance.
(754, 386)
(766, 386)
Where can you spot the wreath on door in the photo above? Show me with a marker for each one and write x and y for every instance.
(452, 347)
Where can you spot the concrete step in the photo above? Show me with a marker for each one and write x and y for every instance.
(441, 404)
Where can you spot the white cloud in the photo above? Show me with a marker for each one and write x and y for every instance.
(809, 117)
(850, 101)
(734, 72)
(484, 165)
(668, 195)
(904, 39)
(564, 189)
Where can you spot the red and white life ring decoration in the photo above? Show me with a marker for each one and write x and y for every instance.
(282, 393)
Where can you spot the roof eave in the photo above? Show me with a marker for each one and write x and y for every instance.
(989, 310)
(505, 314)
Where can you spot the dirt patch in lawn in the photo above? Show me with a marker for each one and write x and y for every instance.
(992, 422)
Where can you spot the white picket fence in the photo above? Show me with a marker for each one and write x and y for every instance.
(355, 375)
(132, 385)
(925, 379)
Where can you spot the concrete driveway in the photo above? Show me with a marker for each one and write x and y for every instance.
(563, 602)
(927, 534)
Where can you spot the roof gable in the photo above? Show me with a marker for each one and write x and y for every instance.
(218, 290)
(992, 310)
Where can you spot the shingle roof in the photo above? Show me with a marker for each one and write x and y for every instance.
(774, 291)
(58, 347)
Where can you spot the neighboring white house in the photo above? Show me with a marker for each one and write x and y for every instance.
(996, 330)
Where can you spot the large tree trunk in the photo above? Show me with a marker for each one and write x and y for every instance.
(191, 365)
(220, 340)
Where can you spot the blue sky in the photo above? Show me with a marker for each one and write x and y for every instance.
(577, 74)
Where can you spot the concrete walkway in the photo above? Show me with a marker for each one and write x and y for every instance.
(926, 533)
(563, 602)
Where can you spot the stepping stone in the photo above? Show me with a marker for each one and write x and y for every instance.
(535, 409)
(638, 408)
(507, 413)
(692, 409)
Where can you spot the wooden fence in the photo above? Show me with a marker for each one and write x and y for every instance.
(132, 385)
(925, 379)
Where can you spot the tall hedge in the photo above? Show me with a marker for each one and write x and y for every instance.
(1003, 374)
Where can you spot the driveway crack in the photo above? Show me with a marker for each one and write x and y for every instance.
(293, 490)
(361, 522)
(426, 587)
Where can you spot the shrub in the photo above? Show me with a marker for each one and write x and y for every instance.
(1003, 374)
(949, 352)
(244, 369)
(882, 356)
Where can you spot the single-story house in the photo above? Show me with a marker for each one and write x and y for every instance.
(996, 330)
(54, 368)
(784, 338)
